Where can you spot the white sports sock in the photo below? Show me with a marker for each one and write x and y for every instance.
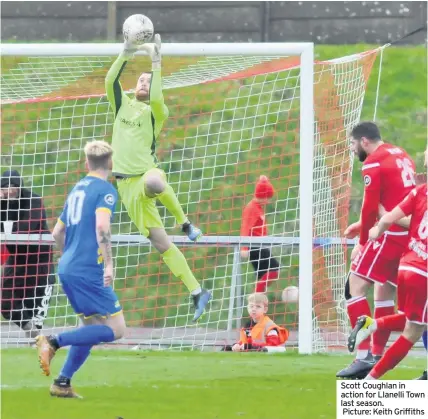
(369, 377)
(362, 353)
(196, 291)
(373, 327)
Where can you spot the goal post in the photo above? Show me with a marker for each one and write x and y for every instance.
(306, 177)
(236, 111)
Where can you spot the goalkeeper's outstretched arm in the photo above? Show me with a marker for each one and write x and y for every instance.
(156, 99)
(113, 87)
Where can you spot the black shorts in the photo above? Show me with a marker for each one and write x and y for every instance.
(262, 261)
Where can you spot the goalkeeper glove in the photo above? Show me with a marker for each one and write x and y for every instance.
(129, 50)
(154, 51)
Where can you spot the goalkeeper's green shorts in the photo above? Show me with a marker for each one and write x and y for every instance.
(141, 209)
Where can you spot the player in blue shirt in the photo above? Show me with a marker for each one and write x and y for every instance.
(85, 269)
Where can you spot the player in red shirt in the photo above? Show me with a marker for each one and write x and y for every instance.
(254, 224)
(412, 284)
(389, 176)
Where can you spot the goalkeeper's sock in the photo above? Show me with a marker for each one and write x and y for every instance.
(179, 267)
(84, 336)
(76, 357)
(170, 201)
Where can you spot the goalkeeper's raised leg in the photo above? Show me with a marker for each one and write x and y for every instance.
(138, 122)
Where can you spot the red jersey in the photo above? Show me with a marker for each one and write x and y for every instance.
(389, 176)
(253, 220)
(415, 204)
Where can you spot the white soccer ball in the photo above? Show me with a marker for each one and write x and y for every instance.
(138, 29)
(290, 294)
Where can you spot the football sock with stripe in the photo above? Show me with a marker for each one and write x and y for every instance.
(356, 307)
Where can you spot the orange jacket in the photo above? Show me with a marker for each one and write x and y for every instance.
(257, 336)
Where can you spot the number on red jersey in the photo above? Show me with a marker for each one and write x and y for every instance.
(423, 227)
(407, 172)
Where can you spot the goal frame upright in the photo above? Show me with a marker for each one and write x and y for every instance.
(305, 50)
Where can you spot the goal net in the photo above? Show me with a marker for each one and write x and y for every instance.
(232, 119)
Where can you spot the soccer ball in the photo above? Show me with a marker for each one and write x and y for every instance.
(290, 294)
(138, 29)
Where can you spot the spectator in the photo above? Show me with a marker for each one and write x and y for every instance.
(266, 267)
(260, 331)
(26, 276)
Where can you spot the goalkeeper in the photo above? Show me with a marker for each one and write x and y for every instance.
(137, 125)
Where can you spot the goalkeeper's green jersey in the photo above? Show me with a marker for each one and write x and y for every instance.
(136, 125)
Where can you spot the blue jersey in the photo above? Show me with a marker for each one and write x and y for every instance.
(82, 255)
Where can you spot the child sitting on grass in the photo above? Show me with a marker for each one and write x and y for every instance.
(261, 331)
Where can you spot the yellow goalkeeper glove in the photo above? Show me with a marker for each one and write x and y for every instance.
(152, 49)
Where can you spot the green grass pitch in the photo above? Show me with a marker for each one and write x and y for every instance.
(186, 385)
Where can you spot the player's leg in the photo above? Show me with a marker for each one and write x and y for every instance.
(178, 265)
(385, 271)
(156, 186)
(412, 302)
(357, 305)
(87, 298)
(398, 350)
(77, 355)
(366, 326)
(144, 214)
(376, 263)
(265, 266)
(384, 302)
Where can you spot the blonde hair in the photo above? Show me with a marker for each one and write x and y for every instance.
(98, 153)
(258, 298)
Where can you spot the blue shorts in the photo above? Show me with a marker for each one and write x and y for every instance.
(89, 297)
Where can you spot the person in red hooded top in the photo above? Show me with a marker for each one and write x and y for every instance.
(265, 266)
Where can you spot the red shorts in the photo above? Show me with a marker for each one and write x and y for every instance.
(412, 294)
(378, 261)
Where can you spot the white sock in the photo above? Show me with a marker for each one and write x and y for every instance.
(362, 353)
(369, 377)
(373, 327)
(196, 291)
